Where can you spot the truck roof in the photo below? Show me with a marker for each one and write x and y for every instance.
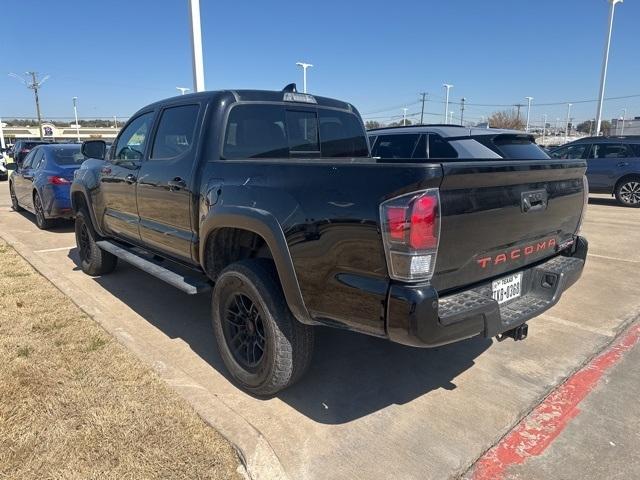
(446, 130)
(254, 96)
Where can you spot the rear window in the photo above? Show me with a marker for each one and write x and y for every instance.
(67, 156)
(518, 148)
(273, 131)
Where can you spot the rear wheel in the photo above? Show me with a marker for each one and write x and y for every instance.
(628, 192)
(262, 345)
(14, 200)
(42, 221)
(93, 260)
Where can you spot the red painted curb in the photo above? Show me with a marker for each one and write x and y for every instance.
(538, 429)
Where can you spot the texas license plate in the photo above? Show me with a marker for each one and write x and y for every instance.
(507, 288)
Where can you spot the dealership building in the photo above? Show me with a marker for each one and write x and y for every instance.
(57, 133)
(631, 126)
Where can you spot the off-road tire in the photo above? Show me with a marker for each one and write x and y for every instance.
(628, 192)
(288, 343)
(93, 260)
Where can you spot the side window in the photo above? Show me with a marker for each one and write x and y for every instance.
(420, 152)
(342, 135)
(38, 160)
(302, 129)
(132, 140)
(571, 152)
(395, 146)
(256, 131)
(372, 140)
(28, 161)
(636, 149)
(439, 148)
(176, 132)
(610, 150)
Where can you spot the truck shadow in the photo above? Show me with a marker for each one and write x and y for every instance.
(351, 375)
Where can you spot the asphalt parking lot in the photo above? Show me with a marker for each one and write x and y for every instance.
(369, 409)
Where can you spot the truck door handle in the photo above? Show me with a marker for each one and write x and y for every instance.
(131, 178)
(176, 184)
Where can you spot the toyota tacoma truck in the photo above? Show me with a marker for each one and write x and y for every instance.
(272, 200)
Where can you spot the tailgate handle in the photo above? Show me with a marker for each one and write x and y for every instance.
(534, 201)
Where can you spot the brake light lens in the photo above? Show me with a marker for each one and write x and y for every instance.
(55, 180)
(410, 231)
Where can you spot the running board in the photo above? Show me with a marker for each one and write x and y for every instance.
(189, 285)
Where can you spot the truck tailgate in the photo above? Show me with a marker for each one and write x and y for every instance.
(500, 216)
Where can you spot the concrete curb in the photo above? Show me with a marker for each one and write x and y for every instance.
(257, 455)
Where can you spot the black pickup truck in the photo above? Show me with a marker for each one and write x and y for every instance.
(272, 200)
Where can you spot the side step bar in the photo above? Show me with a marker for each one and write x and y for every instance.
(189, 285)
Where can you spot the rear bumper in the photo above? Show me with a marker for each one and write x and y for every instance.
(416, 316)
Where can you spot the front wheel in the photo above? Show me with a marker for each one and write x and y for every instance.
(628, 192)
(262, 345)
(93, 260)
(14, 200)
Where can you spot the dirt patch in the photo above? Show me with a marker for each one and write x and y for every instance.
(75, 404)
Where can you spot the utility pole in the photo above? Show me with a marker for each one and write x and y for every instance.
(566, 132)
(462, 111)
(624, 114)
(75, 114)
(115, 121)
(526, 129)
(424, 99)
(544, 126)
(34, 85)
(451, 117)
(605, 64)
(404, 117)
(196, 45)
(446, 103)
(518, 107)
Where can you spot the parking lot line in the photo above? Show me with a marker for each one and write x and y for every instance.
(59, 249)
(613, 258)
(541, 427)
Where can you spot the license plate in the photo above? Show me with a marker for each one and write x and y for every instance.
(507, 288)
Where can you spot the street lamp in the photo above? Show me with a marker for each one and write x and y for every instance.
(624, 114)
(75, 114)
(404, 117)
(566, 132)
(446, 102)
(544, 126)
(526, 129)
(304, 74)
(605, 64)
(182, 90)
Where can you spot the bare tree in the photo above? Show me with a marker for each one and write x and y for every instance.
(369, 124)
(506, 119)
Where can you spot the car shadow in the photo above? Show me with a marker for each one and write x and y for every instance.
(605, 201)
(351, 375)
(59, 225)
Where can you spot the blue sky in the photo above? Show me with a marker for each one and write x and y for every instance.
(119, 55)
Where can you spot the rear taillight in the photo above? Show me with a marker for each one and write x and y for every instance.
(410, 231)
(585, 185)
(55, 180)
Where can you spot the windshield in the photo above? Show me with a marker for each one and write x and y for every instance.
(67, 156)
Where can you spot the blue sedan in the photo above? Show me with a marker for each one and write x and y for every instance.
(42, 182)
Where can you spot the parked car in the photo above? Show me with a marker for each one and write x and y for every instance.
(22, 147)
(4, 171)
(42, 183)
(273, 198)
(613, 165)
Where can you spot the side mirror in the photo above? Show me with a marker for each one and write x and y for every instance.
(11, 166)
(94, 149)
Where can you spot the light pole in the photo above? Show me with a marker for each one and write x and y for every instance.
(557, 122)
(196, 45)
(526, 129)
(451, 117)
(566, 132)
(115, 121)
(544, 126)
(624, 114)
(182, 90)
(446, 102)
(404, 117)
(304, 74)
(2, 145)
(75, 114)
(605, 64)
